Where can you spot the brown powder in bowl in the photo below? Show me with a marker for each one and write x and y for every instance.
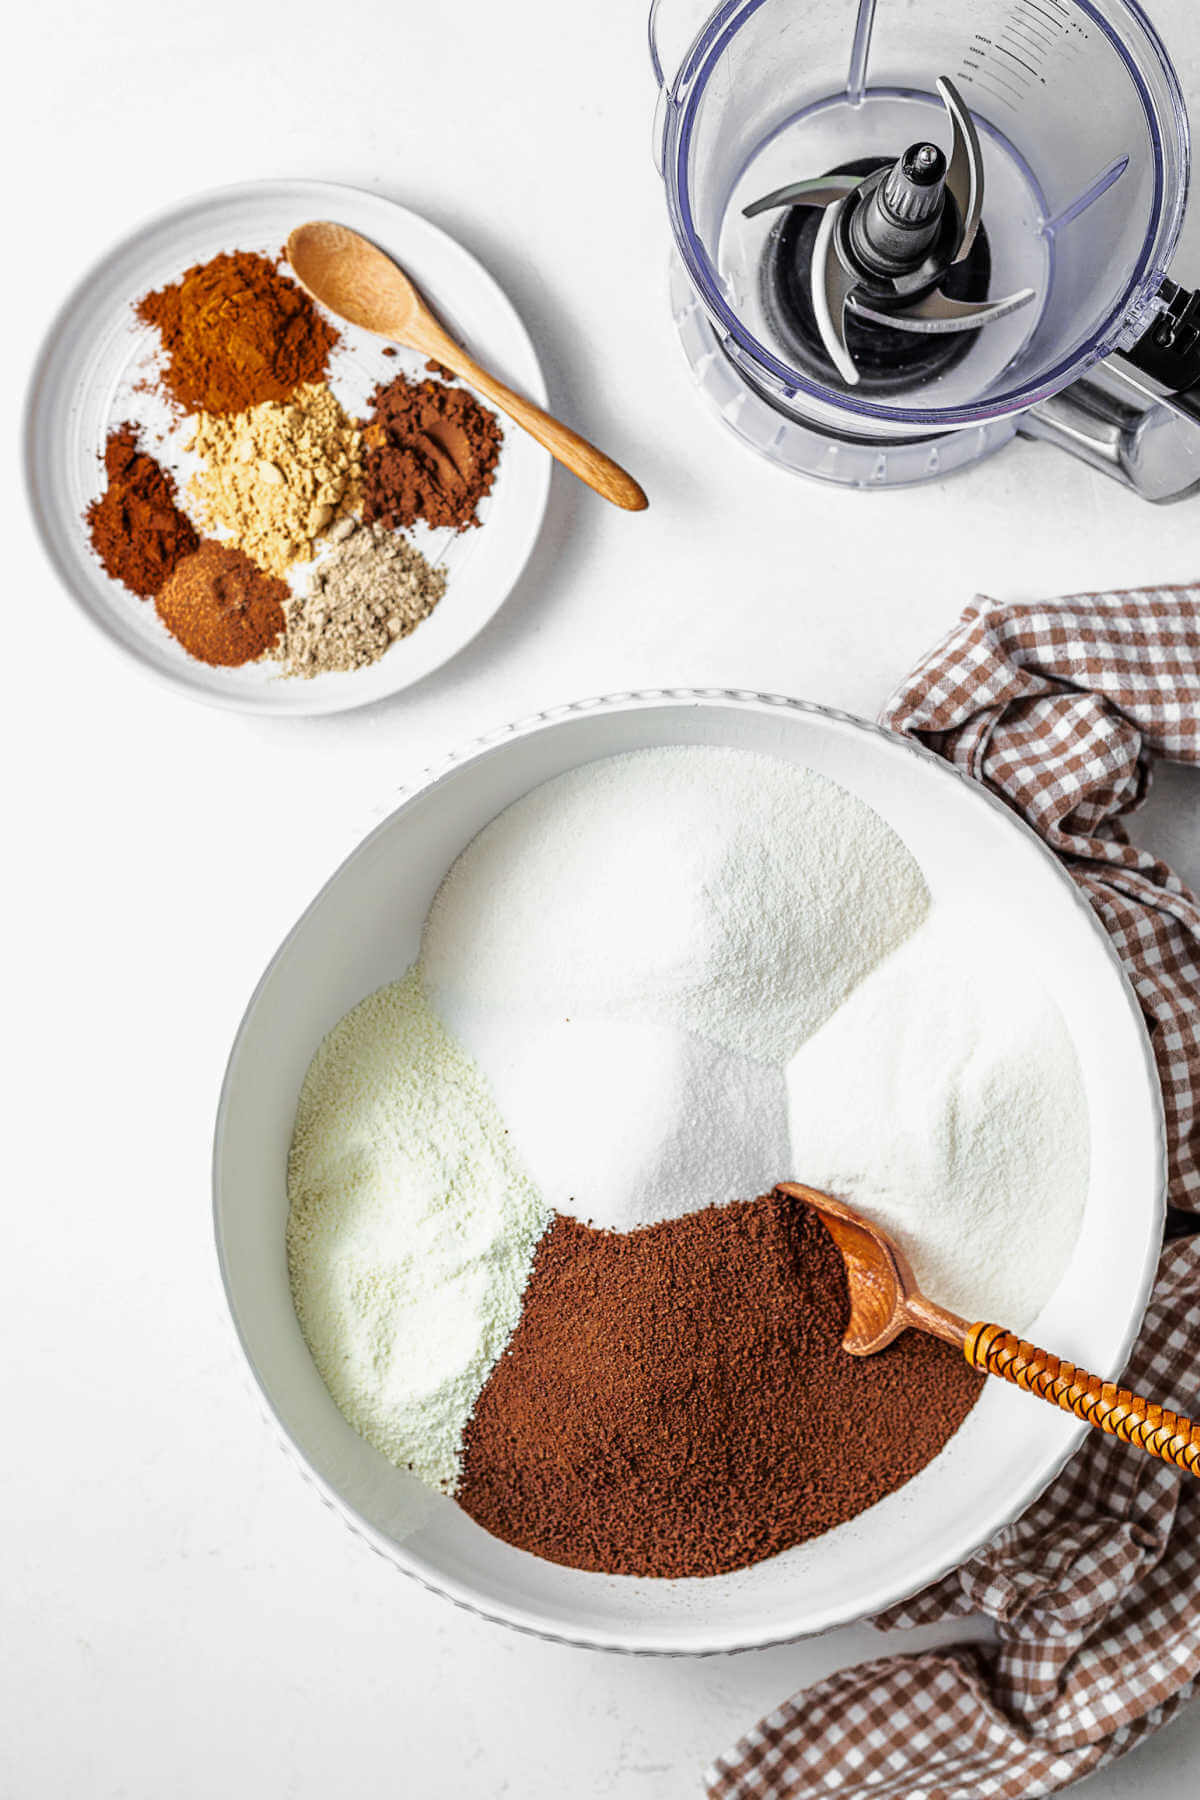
(676, 1401)
(221, 607)
(431, 454)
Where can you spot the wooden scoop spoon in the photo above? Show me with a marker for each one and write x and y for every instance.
(346, 273)
(885, 1300)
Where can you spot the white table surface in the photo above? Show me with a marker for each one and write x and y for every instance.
(180, 1614)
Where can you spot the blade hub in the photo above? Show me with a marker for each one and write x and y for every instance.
(914, 190)
(892, 243)
(889, 360)
(900, 219)
(895, 261)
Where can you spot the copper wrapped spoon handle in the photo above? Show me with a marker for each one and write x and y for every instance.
(885, 1300)
(355, 280)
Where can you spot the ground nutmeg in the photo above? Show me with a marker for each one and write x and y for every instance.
(675, 1401)
(221, 606)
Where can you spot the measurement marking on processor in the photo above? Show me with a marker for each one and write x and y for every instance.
(980, 72)
(977, 81)
(1036, 73)
(982, 66)
(1034, 45)
(1030, 34)
(1053, 23)
(1020, 60)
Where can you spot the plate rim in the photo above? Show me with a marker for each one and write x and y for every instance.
(692, 1641)
(177, 680)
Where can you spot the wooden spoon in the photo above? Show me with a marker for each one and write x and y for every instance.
(885, 1300)
(355, 280)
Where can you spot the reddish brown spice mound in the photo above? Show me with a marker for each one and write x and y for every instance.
(431, 454)
(221, 606)
(676, 1401)
(137, 530)
(236, 332)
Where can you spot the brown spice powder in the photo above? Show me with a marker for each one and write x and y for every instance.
(136, 529)
(221, 607)
(675, 1401)
(237, 332)
(432, 452)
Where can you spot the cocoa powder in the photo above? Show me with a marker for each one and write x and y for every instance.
(136, 529)
(675, 1401)
(431, 454)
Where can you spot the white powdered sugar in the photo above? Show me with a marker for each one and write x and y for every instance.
(685, 971)
(624, 1123)
(410, 1232)
(944, 1100)
(731, 894)
(631, 953)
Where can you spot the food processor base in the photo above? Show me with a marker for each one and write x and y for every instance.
(804, 449)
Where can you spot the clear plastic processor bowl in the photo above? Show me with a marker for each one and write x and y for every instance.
(1085, 148)
(363, 929)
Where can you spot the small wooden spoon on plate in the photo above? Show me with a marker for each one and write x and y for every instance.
(355, 280)
(885, 1300)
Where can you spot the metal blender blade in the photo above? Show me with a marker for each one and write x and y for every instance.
(964, 172)
(832, 286)
(887, 241)
(823, 191)
(937, 312)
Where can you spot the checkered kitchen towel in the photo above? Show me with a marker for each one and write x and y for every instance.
(1060, 709)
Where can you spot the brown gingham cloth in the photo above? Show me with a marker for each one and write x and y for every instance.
(1061, 709)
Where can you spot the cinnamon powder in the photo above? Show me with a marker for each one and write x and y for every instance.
(431, 454)
(236, 332)
(676, 1400)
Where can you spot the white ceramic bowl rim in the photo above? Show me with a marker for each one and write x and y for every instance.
(957, 1550)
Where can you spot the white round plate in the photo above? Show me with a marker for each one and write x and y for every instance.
(86, 381)
(363, 930)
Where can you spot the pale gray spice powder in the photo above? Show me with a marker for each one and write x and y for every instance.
(372, 589)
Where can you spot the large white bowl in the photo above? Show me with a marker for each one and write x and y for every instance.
(362, 930)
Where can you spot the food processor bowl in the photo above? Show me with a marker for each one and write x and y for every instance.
(1083, 142)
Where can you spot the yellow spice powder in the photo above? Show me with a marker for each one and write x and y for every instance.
(278, 475)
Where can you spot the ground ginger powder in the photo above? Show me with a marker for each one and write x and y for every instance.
(371, 590)
(278, 475)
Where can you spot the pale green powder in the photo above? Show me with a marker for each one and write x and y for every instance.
(411, 1229)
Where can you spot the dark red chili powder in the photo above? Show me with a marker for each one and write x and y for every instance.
(137, 530)
(676, 1401)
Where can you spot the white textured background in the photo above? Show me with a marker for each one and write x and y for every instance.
(180, 1615)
